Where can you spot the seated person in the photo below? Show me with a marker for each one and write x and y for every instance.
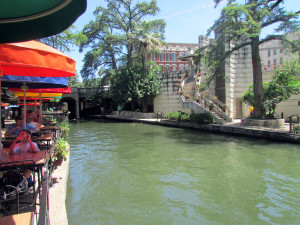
(23, 144)
(36, 125)
(15, 128)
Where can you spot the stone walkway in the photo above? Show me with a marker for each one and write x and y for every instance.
(234, 128)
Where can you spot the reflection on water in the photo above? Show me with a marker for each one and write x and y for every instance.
(130, 173)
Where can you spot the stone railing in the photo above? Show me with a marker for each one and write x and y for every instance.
(198, 108)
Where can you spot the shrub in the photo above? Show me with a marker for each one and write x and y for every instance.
(296, 128)
(202, 118)
(177, 116)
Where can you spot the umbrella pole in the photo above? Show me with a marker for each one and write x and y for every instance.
(41, 111)
(1, 73)
(24, 88)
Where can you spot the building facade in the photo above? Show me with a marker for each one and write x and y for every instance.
(167, 58)
(239, 76)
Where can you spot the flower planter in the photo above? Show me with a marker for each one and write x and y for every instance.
(58, 162)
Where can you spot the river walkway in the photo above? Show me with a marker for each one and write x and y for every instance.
(282, 134)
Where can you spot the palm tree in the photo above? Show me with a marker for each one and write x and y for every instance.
(148, 35)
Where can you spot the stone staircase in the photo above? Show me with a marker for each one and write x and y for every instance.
(201, 106)
(189, 89)
(169, 100)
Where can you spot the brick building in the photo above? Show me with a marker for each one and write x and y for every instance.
(168, 54)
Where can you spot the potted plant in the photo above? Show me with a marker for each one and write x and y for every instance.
(64, 126)
(211, 106)
(187, 96)
(197, 98)
(224, 107)
(180, 92)
(60, 152)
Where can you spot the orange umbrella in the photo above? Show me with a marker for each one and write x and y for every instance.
(32, 58)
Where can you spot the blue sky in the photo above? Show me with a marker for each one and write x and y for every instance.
(185, 20)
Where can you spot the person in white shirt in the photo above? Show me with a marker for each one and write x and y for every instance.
(23, 144)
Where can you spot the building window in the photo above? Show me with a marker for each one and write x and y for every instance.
(167, 56)
(153, 56)
(181, 67)
(275, 51)
(173, 56)
(181, 54)
(161, 57)
(174, 68)
(167, 68)
(269, 63)
(269, 53)
(187, 67)
(274, 62)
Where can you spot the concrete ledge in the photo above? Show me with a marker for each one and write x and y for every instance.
(135, 114)
(57, 194)
(274, 134)
(263, 123)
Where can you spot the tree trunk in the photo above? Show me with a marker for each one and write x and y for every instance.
(257, 79)
(145, 104)
(132, 105)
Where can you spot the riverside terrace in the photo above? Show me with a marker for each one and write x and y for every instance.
(233, 128)
(29, 205)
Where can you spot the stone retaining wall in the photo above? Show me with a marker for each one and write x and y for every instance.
(263, 123)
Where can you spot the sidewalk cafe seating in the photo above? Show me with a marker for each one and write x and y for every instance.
(15, 196)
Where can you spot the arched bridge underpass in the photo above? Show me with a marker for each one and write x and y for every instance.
(76, 99)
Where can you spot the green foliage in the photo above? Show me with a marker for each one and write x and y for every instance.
(75, 81)
(62, 41)
(110, 37)
(177, 116)
(130, 84)
(284, 84)
(296, 128)
(61, 149)
(65, 128)
(55, 100)
(202, 118)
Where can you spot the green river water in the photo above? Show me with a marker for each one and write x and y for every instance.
(132, 173)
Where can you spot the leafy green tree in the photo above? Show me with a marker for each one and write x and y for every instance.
(242, 25)
(109, 37)
(148, 35)
(75, 81)
(62, 41)
(284, 84)
(130, 85)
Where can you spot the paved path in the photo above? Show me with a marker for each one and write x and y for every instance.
(234, 128)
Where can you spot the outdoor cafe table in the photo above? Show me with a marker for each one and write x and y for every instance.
(32, 161)
(53, 129)
(49, 123)
(17, 219)
(39, 140)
